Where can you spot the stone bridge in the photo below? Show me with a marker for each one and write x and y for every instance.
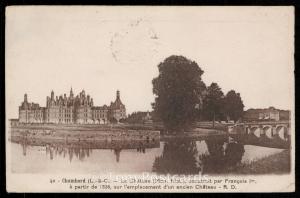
(269, 129)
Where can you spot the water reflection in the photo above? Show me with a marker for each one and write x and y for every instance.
(224, 156)
(182, 157)
(210, 155)
(24, 147)
(117, 152)
(81, 152)
(141, 148)
(178, 157)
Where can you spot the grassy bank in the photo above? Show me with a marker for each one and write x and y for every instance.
(88, 127)
(82, 133)
(129, 126)
(116, 131)
(279, 163)
(194, 134)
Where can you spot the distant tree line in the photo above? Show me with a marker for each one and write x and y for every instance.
(135, 118)
(181, 97)
(217, 106)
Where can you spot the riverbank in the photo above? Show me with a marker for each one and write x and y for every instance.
(75, 135)
(279, 163)
(194, 134)
(103, 132)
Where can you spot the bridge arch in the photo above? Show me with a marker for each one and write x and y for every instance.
(255, 130)
(267, 130)
(282, 131)
(248, 130)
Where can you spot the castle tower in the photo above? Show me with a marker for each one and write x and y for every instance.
(88, 99)
(118, 95)
(71, 93)
(92, 102)
(52, 95)
(25, 98)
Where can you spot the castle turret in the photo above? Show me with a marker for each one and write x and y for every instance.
(52, 95)
(92, 102)
(117, 108)
(118, 95)
(88, 99)
(25, 98)
(71, 93)
(47, 101)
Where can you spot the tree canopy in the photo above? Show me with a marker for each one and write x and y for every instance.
(233, 105)
(135, 117)
(178, 90)
(212, 104)
(181, 97)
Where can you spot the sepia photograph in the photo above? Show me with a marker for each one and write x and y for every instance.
(150, 99)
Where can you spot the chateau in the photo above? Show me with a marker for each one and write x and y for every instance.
(78, 109)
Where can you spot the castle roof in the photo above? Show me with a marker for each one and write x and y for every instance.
(117, 104)
(104, 107)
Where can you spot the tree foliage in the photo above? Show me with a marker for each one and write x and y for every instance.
(182, 97)
(113, 120)
(178, 89)
(233, 105)
(135, 117)
(213, 102)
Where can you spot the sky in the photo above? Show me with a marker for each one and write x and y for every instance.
(102, 49)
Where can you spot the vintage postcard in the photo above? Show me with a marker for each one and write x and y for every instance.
(150, 99)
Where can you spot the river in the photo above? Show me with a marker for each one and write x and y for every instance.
(172, 156)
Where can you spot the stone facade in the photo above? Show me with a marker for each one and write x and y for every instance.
(78, 109)
(270, 113)
(117, 109)
(31, 112)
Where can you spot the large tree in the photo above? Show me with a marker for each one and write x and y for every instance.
(213, 101)
(233, 105)
(178, 89)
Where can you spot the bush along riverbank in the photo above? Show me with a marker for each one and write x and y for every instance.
(279, 163)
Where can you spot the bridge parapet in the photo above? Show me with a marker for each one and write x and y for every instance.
(269, 129)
